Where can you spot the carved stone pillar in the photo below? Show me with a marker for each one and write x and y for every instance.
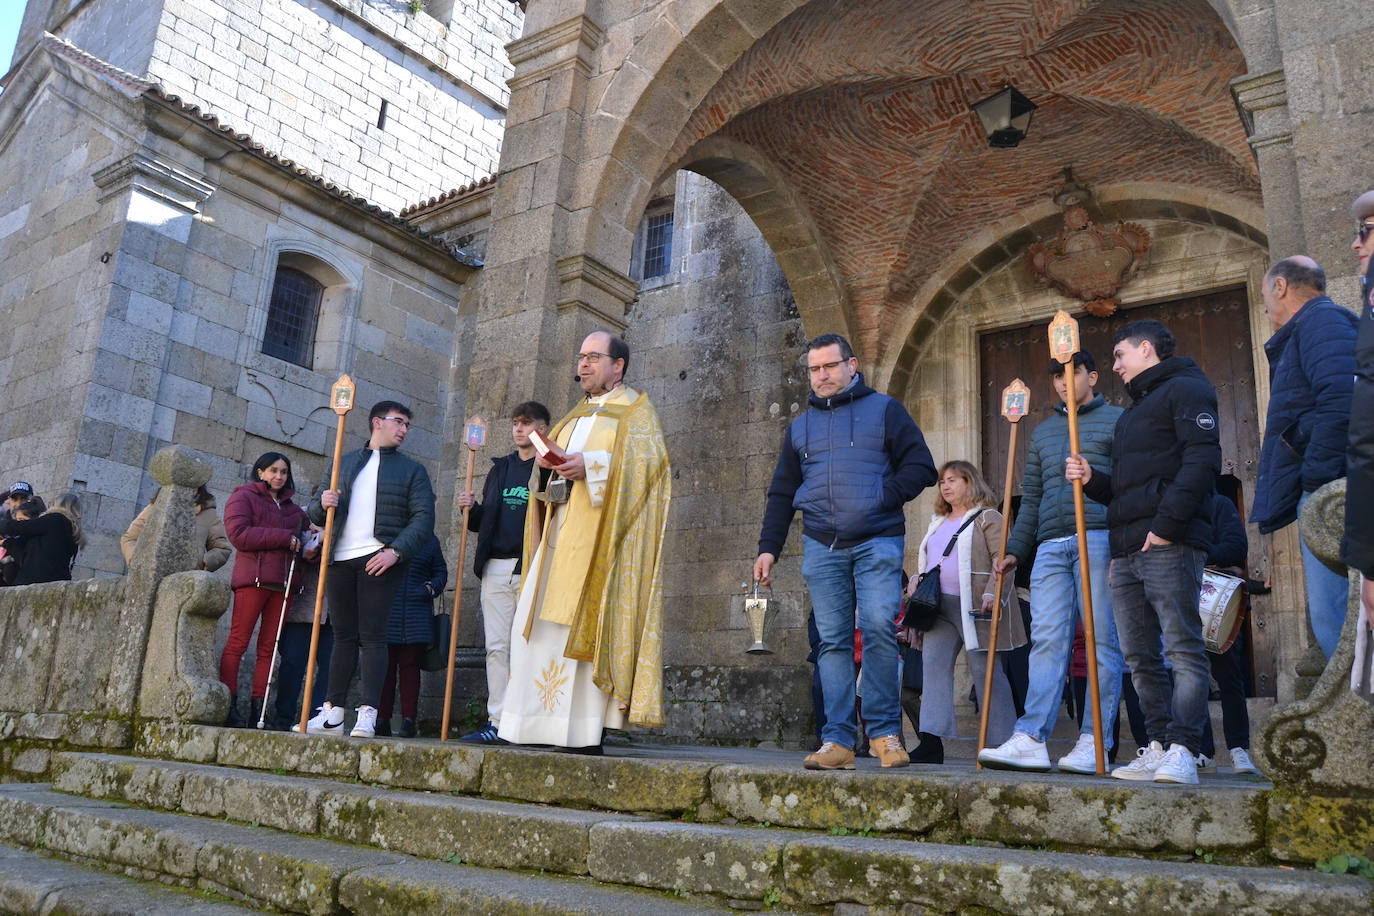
(1263, 103)
(168, 636)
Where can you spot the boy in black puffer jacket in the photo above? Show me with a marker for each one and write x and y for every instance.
(1166, 455)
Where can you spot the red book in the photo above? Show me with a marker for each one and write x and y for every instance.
(547, 448)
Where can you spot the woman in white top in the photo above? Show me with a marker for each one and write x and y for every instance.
(966, 586)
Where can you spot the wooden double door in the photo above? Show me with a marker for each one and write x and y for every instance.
(1214, 330)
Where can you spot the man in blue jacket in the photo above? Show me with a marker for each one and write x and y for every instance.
(1311, 374)
(1046, 529)
(849, 464)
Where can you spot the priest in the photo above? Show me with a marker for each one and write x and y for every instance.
(587, 641)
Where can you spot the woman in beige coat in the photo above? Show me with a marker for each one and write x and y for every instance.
(209, 532)
(966, 597)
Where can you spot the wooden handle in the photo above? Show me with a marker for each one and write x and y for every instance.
(457, 603)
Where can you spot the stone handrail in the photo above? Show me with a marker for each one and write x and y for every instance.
(1321, 742)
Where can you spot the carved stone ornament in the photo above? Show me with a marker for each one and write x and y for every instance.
(1089, 262)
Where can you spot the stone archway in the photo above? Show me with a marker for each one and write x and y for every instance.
(781, 216)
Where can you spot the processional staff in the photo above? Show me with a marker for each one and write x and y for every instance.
(474, 437)
(1015, 403)
(341, 402)
(1064, 344)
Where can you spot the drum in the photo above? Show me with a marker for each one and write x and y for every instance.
(1219, 605)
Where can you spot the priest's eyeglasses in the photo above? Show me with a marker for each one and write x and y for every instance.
(1362, 229)
(592, 358)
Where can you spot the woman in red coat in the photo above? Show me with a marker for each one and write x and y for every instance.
(264, 526)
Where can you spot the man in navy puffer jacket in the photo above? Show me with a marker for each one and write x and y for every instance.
(849, 464)
(1311, 375)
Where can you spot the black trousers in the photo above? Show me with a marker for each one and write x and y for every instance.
(359, 607)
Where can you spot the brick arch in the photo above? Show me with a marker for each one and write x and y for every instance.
(937, 299)
(651, 110)
(785, 223)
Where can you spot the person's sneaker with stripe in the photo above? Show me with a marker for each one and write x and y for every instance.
(1178, 765)
(1019, 752)
(1082, 759)
(366, 725)
(328, 720)
(831, 756)
(484, 735)
(1241, 762)
(1142, 768)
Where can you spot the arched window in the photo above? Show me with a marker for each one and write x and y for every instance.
(292, 315)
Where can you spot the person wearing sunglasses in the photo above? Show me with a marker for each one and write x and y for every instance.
(1357, 548)
(1311, 373)
(384, 516)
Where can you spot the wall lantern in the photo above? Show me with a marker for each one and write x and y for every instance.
(1006, 117)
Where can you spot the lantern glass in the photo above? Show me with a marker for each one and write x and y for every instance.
(1006, 117)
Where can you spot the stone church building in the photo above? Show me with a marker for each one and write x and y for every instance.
(211, 208)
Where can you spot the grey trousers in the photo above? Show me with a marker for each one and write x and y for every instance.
(941, 649)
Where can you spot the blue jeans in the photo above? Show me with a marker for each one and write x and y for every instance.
(1154, 596)
(1056, 607)
(1328, 596)
(865, 579)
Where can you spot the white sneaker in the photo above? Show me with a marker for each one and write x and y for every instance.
(1178, 766)
(1241, 762)
(366, 726)
(1083, 757)
(328, 720)
(1206, 764)
(1142, 768)
(1019, 752)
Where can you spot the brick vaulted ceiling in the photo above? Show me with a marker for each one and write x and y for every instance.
(865, 107)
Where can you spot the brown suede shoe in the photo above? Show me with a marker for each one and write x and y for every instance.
(888, 749)
(831, 756)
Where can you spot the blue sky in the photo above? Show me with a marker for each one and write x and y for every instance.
(11, 11)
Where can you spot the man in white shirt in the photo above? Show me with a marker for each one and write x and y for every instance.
(384, 508)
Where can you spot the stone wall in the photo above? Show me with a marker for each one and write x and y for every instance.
(309, 81)
(56, 273)
(716, 344)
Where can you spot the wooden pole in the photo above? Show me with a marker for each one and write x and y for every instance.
(474, 436)
(341, 402)
(1015, 398)
(1064, 334)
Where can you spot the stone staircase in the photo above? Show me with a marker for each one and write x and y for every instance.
(286, 823)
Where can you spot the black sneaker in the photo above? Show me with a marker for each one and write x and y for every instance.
(407, 729)
(484, 735)
(382, 729)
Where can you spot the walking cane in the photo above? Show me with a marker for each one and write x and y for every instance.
(1015, 401)
(341, 402)
(276, 643)
(474, 436)
(1063, 345)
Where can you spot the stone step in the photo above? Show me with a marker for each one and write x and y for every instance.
(1224, 817)
(33, 884)
(268, 869)
(727, 864)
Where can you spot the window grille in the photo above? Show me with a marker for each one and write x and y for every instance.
(291, 316)
(658, 245)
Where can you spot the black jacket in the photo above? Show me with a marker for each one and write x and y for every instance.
(1357, 548)
(484, 522)
(405, 499)
(1230, 545)
(1166, 456)
(412, 611)
(46, 551)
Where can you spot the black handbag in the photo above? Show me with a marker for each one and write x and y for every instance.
(923, 606)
